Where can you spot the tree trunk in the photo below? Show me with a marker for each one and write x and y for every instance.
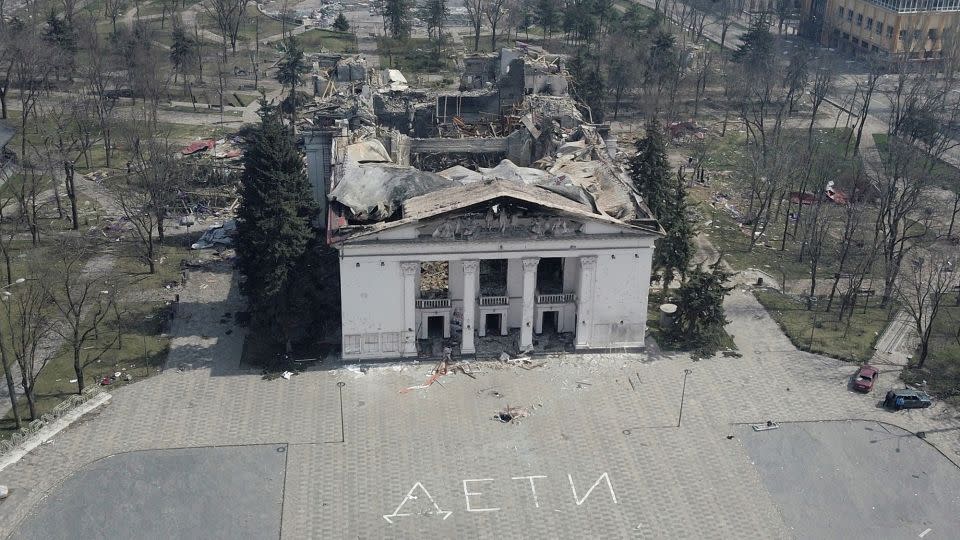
(71, 194)
(11, 388)
(6, 260)
(28, 391)
(924, 347)
(56, 200)
(150, 253)
(160, 218)
(78, 369)
(953, 214)
(786, 221)
(106, 146)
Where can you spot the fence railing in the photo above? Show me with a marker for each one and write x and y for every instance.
(434, 303)
(556, 298)
(494, 300)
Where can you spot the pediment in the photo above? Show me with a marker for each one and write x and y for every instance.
(501, 220)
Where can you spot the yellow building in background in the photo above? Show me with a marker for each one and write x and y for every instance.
(919, 29)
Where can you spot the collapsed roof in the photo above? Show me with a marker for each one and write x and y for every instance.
(374, 193)
(512, 111)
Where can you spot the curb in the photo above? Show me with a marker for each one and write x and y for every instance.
(47, 432)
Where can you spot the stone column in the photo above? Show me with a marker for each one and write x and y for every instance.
(529, 299)
(588, 270)
(408, 337)
(470, 269)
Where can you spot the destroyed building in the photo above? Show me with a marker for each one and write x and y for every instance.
(491, 211)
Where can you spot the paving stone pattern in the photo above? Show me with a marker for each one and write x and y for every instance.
(690, 481)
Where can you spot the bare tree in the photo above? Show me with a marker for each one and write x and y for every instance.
(8, 228)
(69, 9)
(475, 11)
(922, 291)
(32, 62)
(28, 188)
(725, 12)
(228, 16)
(495, 10)
(150, 193)
(160, 176)
(822, 85)
(818, 228)
(83, 300)
(100, 83)
(7, 51)
(622, 67)
(113, 9)
(868, 88)
(65, 127)
(915, 144)
(850, 246)
(954, 210)
(27, 324)
(702, 68)
(8, 362)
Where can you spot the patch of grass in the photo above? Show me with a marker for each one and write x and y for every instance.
(248, 32)
(203, 110)
(328, 41)
(942, 174)
(141, 352)
(728, 195)
(727, 236)
(167, 264)
(411, 56)
(942, 367)
(244, 99)
(819, 332)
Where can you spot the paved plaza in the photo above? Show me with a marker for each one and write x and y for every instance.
(599, 452)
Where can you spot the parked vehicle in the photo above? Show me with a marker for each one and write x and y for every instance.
(906, 398)
(865, 377)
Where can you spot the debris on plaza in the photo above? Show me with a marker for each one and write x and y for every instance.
(766, 427)
(511, 415)
(220, 234)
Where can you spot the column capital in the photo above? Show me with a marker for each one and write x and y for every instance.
(471, 266)
(588, 262)
(530, 263)
(409, 268)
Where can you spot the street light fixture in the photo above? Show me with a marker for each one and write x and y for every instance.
(6, 294)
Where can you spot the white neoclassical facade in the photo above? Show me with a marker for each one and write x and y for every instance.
(519, 260)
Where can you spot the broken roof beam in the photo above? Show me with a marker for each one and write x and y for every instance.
(467, 145)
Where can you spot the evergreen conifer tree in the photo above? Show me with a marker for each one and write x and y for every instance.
(274, 221)
(700, 301)
(290, 70)
(341, 23)
(675, 250)
(650, 170)
(756, 47)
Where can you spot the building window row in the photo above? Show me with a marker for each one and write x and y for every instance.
(932, 33)
(913, 6)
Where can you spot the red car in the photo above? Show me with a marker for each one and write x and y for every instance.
(865, 377)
